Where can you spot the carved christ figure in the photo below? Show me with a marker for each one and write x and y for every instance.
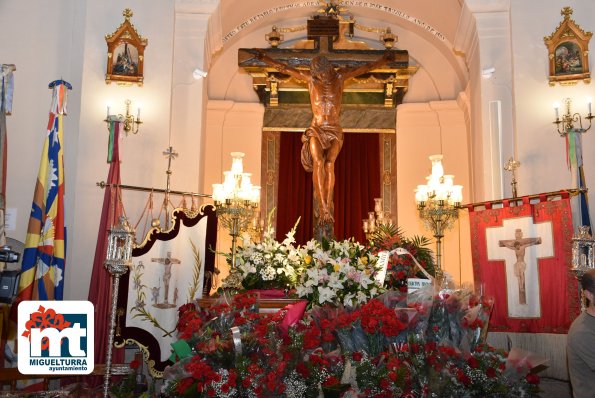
(322, 141)
(518, 245)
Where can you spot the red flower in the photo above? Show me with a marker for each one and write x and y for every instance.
(357, 356)
(532, 378)
(491, 372)
(184, 384)
(384, 384)
(331, 381)
(463, 378)
(134, 364)
(473, 362)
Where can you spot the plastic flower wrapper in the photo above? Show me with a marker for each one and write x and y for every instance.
(324, 324)
(421, 301)
(475, 321)
(349, 332)
(324, 372)
(519, 363)
(393, 299)
(445, 318)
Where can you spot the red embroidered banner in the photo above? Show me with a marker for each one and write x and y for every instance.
(522, 258)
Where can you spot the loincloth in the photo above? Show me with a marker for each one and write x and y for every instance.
(325, 135)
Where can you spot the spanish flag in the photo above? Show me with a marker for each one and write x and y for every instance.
(42, 276)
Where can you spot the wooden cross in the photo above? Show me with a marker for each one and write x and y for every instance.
(323, 30)
(522, 291)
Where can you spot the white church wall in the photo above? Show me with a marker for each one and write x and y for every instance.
(49, 51)
(231, 127)
(420, 129)
(142, 162)
(540, 149)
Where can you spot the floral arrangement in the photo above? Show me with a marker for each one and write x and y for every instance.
(383, 348)
(266, 265)
(388, 237)
(337, 272)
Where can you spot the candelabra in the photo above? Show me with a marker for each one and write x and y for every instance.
(236, 201)
(376, 218)
(131, 125)
(438, 203)
(117, 261)
(567, 123)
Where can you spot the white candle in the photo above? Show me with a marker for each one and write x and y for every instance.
(589, 100)
(556, 106)
(108, 111)
(138, 114)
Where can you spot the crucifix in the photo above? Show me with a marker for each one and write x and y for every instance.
(170, 154)
(167, 262)
(520, 255)
(325, 72)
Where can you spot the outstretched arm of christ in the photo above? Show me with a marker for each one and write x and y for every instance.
(348, 73)
(507, 243)
(281, 67)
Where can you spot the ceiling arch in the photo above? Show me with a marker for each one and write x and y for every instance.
(426, 29)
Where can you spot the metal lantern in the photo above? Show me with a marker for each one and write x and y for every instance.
(583, 257)
(119, 247)
(117, 261)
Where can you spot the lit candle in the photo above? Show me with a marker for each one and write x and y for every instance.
(556, 107)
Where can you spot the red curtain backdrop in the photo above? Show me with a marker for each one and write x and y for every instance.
(357, 183)
(558, 289)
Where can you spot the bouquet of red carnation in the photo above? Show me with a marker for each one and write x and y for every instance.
(400, 268)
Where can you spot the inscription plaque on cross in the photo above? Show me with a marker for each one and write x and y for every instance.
(520, 243)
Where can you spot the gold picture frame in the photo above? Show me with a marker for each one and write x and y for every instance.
(568, 52)
(125, 53)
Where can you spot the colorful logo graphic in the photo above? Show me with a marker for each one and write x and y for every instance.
(55, 337)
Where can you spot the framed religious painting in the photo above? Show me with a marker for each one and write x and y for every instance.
(568, 52)
(125, 54)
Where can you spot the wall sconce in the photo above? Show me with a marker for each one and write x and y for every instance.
(274, 37)
(569, 119)
(388, 38)
(131, 125)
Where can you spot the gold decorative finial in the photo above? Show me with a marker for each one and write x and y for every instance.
(127, 13)
(566, 12)
(331, 7)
